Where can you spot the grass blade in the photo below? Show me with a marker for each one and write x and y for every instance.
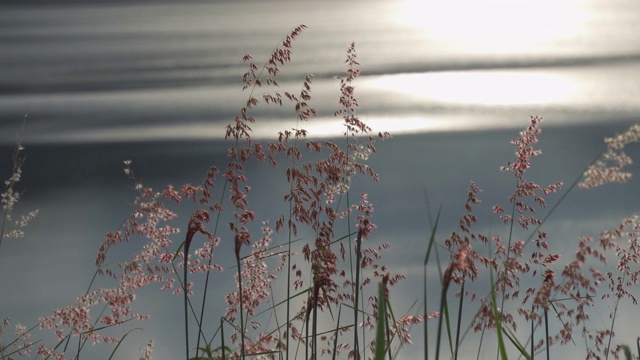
(496, 315)
(120, 342)
(426, 261)
(514, 340)
(459, 323)
(380, 332)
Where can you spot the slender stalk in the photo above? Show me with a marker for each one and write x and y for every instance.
(335, 339)
(306, 347)
(241, 308)
(505, 270)
(357, 295)
(434, 227)
(546, 331)
(480, 343)
(224, 357)
(314, 330)
(459, 322)
(498, 320)
(356, 346)
(532, 335)
(289, 239)
(425, 310)
(443, 299)
(613, 320)
(207, 276)
(388, 331)
(186, 300)
(288, 318)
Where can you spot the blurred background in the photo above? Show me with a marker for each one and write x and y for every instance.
(156, 82)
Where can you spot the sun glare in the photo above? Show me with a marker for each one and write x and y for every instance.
(493, 25)
(482, 87)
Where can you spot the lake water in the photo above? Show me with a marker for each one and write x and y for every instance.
(140, 71)
(156, 82)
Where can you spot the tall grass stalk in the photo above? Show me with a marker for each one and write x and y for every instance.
(240, 307)
(357, 292)
(432, 237)
(546, 333)
(222, 345)
(496, 314)
(186, 300)
(459, 321)
(208, 274)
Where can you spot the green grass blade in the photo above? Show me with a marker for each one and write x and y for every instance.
(120, 342)
(514, 340)
(432, 237)
(335, 340)
(447, 319)
(459, 322)
(425, 302)
(443, 299)
(627, 352)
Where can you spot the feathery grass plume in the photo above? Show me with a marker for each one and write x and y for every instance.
(578, 287)
(511, 256)
(316, 191)
(240, 131)
(624, 242)
(10, 197)
(509, 260)
(21, 345)
(152, 264)
(147, 351)
(608, 168)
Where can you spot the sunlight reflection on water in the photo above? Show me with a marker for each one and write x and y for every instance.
(496, 26)
(491, 87)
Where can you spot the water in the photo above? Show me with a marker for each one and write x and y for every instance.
(100, 71)
(104, 82)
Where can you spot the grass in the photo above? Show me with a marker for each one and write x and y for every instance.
(339, 293)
